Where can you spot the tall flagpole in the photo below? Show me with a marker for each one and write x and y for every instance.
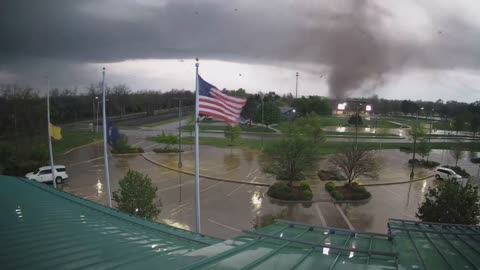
(52, 166)
(197, 165)
(105, 147)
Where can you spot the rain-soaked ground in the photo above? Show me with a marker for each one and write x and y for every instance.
(228, 208)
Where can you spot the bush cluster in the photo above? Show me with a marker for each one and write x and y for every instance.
(358, 192)
(165, 149)
(352, 192)
(122, 147)
(330, 186)
(283, 191)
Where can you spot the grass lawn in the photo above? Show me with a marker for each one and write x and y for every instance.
(168, 121)
(71, 137)
(441, 125)
(336, 121)
(326, 148)
(362, 134)
(223, 142)
(244, 128)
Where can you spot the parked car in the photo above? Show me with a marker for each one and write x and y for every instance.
(446, 174)
(44, 174)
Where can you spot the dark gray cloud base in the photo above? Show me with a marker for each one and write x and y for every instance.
(350, 41)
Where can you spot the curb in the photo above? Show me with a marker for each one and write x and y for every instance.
(206, 176)
(294, 202)
(397, 183)
(75, 148)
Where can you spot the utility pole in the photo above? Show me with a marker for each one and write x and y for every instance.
(414, 133)
(263, 115)
(105, 147)
(180, 133)
(296, 88)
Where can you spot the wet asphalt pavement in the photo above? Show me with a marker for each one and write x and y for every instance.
(228, 208)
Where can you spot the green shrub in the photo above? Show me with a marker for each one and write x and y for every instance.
(307, 194)
(283, 191)
(337, 195)
(360, 195)
(304, 185)
(137, 195)
(330, 186)
(122, 147)
(165, 150)
(166, 138)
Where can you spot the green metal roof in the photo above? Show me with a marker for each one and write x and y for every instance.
(41, 227)
(44, 228)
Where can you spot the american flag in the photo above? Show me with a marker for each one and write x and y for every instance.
(214, 103)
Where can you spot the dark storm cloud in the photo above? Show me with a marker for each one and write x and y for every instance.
(350, 41)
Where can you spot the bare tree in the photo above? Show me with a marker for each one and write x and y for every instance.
(354, 162)
(457, 151)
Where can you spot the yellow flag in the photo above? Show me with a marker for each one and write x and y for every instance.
(55, 132)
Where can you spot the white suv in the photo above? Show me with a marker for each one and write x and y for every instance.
(44, 174)
(446, 173)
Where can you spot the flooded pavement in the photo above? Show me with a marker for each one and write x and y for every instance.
(228, 208)
(402, 200)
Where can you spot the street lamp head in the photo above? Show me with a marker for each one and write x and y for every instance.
(421, 108)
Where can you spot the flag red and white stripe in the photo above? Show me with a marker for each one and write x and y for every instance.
(220, 105)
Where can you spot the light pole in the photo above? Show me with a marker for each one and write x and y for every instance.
(414, 133)
(180, 133)
(98, 106)
(93, 113)
(263, 115)
(357, 118)
(296, 87)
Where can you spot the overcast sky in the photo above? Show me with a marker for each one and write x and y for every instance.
(409, 49)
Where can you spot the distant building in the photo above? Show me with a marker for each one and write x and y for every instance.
(288, 112)
(352, 106)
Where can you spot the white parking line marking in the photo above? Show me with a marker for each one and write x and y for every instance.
(233, 191)
(322, 218)
(349, 224)
(137, 143)
(225, 226)
(150, 146)
(205, 189)
(78, 163)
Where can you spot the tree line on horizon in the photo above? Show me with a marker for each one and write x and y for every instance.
(23, 109)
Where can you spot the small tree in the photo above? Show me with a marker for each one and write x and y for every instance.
(451, 203)
(475, 123)
(232, 133)
(290, 157)
(271, 114)
(168, 139)
(137, 195)
(310, 125)
(457, 151)
(354, 162)
(416, 131)
(424, 148)
(355, 120)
